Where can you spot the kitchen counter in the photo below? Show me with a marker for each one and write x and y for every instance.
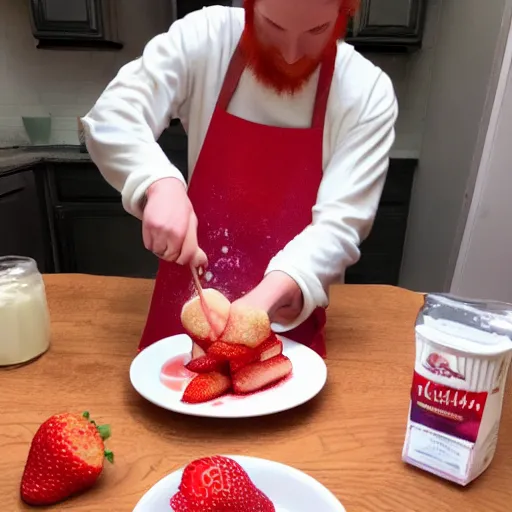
(349, 438)
(18, 158)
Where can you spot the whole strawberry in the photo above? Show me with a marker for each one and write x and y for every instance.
(218, 483)
(65, 458)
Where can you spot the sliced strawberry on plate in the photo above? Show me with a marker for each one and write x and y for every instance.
(206, 364)
(217, 483)
(238, 364)
(237, 355)
(271, 347)
(257, 375)
(197, 351)
(205, 387)
(231, 351)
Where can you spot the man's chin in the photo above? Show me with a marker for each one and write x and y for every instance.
(282, 83)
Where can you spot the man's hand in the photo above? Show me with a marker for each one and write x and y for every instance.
(279, 295)
(169, 224)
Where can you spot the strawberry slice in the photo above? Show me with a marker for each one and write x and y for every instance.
(271, 347)
(238, 364)
(231, 351)
(206, 364)
(218, 483)
(205, 387)
(257, 375)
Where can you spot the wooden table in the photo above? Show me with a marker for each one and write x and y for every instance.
(349, 438)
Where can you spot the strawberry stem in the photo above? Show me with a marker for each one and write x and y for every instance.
(109, 455)
(104, 431)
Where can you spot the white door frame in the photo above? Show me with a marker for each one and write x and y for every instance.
(467, 275)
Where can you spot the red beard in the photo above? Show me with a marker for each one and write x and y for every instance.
(267, 63)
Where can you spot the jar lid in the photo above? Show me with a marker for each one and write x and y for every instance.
(478, 327)
(14, 267)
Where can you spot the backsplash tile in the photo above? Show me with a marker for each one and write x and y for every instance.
(65, 84)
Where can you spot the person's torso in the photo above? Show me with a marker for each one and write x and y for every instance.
(354, 79)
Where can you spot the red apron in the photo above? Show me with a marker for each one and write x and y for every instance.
(253, 190)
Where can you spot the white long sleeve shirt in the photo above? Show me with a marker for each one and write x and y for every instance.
(180, 75)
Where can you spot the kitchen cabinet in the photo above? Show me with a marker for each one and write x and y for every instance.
(92, 233)
(69, 219)
(101, 239)
(75, 23)
(379, 26)
(381, 252)
(23, 225)
(95, 235)
(388, 25)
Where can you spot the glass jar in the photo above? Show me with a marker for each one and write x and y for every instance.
(24, 315)
(463, 354)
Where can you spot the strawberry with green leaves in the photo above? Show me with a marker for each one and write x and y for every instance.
(66, 458)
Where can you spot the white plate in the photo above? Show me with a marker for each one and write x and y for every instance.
(289, 489)
(307, 379)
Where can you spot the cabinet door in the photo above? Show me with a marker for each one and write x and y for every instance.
(23, 225)
(75, 23)
(102, 239)
(388, 23)
(66, 16)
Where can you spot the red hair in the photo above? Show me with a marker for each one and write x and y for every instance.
(263, 61)
(348, 7)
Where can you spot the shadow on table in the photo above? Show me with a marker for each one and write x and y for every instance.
(169, 424)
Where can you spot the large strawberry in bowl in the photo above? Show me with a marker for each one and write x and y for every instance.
(218, 484)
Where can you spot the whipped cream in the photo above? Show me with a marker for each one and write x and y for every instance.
(24, 316)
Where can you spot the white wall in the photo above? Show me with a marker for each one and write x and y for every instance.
(65, 84)
(484, 265)
(471, 41)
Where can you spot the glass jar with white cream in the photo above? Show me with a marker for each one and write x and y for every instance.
(24, 314)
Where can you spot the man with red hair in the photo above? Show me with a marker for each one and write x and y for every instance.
(289, 132)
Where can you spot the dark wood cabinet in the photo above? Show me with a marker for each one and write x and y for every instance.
(23, 224)
(379, 26)
(388, 25)
(92, 233)
(75, 23)
(69, 219)
(381, 252)
(101, 239)
(95, 235)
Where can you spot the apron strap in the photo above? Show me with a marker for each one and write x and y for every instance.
(232, 78)
(323, 90)
(236, 68)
